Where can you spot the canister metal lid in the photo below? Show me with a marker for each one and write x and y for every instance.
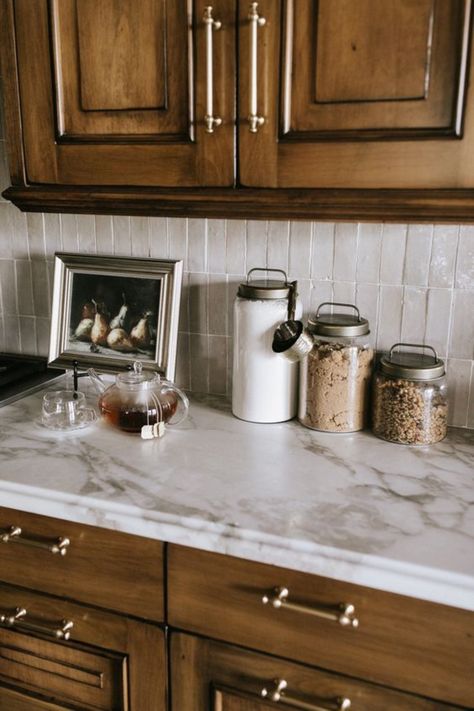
(265, 288)
(338, 324)
(411, 365)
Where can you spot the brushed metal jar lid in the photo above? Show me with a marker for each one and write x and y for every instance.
(338, 324)
(411, 365)
(265, 288)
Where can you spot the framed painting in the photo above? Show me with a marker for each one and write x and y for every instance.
(110, 311)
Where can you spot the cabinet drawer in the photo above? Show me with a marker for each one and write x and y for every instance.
(107, 662)
(104, 568)
(406, 643)
(234, 679)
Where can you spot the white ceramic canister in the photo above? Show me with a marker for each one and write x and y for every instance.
(264, 384)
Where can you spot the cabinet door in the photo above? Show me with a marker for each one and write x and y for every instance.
(358, 94)
(110, 663)
(211, 676)
(113, 92)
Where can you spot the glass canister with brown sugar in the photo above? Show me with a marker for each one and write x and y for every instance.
(410, 404)
(335, 375)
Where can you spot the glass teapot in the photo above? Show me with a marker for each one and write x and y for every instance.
(139, 399)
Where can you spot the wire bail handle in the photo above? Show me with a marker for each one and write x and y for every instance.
(263, 269)
(337, 303)
(413, 345)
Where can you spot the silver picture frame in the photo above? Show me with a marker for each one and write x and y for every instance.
(90, 288)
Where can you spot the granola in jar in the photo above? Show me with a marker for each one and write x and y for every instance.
(409, 404)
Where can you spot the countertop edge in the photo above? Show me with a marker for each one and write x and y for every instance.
(422, 582)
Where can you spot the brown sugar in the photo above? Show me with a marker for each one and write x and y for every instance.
(335, 387)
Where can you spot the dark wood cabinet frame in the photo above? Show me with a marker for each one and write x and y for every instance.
(391, 205)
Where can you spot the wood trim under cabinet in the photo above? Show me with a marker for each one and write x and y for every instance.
(442, 206)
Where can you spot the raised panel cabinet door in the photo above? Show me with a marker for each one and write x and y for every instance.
(12, 700)
(72, 656)
(356, 94)
(116, 92)
(211, 676)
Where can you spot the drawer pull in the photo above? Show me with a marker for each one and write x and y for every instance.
(16, 619)
(14, 535)
(344, 613)
(278, 695)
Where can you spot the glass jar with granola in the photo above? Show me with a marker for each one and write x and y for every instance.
(335, 375)
(409, 404)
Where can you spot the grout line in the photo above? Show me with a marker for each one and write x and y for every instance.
(456, 259)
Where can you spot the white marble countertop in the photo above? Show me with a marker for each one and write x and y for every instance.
(350, 507)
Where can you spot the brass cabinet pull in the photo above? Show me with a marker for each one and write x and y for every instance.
(278, 694)
(210, 120)
(15, 535)
(343, 613)
(256, 21)
(17, 619)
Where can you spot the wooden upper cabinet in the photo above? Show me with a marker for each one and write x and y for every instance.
(113, 92)
(368, 94)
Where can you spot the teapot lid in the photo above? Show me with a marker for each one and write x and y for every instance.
(138, 377)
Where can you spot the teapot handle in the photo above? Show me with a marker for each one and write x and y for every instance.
(167, 385)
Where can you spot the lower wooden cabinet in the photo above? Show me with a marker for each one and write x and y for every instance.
(109, 663)
(212, 676)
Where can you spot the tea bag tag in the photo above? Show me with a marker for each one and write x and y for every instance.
(153, 431)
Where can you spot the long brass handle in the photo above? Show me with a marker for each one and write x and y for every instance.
(17, 619)
(343, 613)
(279, 694)
(211, 121)
(256, 21)
(14, 534)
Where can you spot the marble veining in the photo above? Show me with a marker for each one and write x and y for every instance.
(350, 507)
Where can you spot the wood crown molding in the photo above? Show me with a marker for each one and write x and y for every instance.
(446, 206)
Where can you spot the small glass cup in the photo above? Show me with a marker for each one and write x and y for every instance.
(66, 410)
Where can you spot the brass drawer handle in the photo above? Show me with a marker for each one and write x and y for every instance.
(16, 619)
(279, 695)
(344, 613)
(15, 535)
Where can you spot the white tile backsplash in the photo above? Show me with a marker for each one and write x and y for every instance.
(104, 234)
(158, 235)
(86, 233)
(300, 250)
(140, 236)
(235, 246)
(462, 331)
(392, 259)
(216, 246)
(257, 240)
(438, 319)
(369, 250)
(418, 255)
(322, 253)
(390, 316)
(413, 314)
(345, 251)
(443, 255)
(36, 241)
(465, 258)
(122, 236)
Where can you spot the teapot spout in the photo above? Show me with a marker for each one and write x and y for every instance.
(99, 384)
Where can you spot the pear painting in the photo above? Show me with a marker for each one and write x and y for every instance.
(114, 315)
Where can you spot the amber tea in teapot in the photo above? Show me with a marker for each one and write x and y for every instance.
(131, 418)
(139, 399)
